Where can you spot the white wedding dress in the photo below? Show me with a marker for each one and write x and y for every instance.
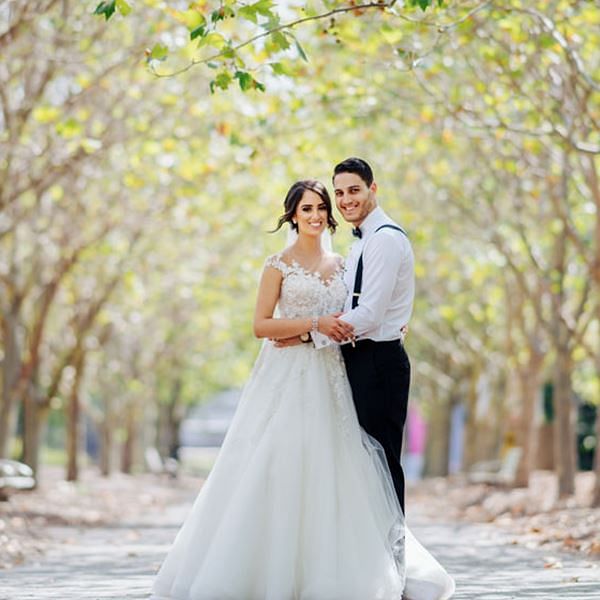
(299, 504)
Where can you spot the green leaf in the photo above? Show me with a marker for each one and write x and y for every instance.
(214, 39)
(247, 82)
(106, 8)
(281, 69)
(159, 52)
(273, 22)
(221, 14)
(280, 40)
(244, 79)
(299, 48)
(228, 52)
(222, 81)
(264, 7)
(251, 11)
(123, 7)
(200, 31)
(546, 41)
(70, 128)
(301, 51)
(192, 18)
(424, 4)
(248, 13)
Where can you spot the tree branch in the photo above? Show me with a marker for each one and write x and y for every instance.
(573, 57)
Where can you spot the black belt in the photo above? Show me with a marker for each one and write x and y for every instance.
(368, 342)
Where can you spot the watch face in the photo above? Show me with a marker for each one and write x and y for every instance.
(305, 337)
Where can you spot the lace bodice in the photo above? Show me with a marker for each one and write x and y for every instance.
(305, 293)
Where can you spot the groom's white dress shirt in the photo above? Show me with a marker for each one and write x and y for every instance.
(388, 283)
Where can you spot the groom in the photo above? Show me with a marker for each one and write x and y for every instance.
(380, 274)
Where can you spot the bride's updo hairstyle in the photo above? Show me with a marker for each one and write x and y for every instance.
(293, 197)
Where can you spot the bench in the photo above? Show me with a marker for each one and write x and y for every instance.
(157, 465)
(497, 472)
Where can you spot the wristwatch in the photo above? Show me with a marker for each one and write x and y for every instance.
(305, 337)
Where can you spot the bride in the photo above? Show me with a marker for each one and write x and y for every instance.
(299, 504)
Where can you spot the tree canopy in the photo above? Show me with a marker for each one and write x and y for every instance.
(146, 150)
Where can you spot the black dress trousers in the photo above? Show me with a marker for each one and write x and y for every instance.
(379, 374)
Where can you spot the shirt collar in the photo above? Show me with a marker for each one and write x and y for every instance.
(374, 219)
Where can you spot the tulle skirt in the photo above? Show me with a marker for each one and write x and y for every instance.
(299, 504)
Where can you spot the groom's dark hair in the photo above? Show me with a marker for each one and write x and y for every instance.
(355, 165)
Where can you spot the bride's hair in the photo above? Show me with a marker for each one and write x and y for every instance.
(293, 197)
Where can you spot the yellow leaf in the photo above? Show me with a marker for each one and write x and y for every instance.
(46, 114)
(57, 192)
(427, 114)
(132, 181)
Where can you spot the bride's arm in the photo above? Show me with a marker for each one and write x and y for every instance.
(268, 295)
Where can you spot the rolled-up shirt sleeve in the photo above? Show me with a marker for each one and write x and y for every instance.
(382, 257)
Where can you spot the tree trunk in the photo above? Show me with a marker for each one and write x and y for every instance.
(544, 456)
(73, 421)
(529, 383)
(10, 372)
(161, 440)
(545, 433)
(596, 493)
(106, 431)
(130, 435)
(564, 436)
(438, 436)
(174, 418)
(168, 420)
(36, 415)
(106, 450)
(471, 454)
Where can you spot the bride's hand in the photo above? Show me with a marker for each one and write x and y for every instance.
(336, 329)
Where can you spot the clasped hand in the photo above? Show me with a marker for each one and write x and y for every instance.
(330, 325)
(336, 329)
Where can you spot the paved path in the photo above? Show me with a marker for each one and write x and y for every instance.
(119, 563)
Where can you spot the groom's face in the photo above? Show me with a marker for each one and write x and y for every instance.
(354, 198)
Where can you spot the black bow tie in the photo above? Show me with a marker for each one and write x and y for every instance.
(356, 232)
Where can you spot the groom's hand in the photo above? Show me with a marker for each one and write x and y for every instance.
(403, 332)
(336, 329)
(286, 342)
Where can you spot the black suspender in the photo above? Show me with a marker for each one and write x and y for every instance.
(359, 267)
